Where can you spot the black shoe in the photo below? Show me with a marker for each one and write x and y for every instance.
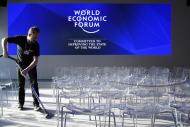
(37, 108)
(20, 107)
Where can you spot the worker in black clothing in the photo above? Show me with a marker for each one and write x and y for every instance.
(28, 52)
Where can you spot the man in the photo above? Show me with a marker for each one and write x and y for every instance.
(28, 52)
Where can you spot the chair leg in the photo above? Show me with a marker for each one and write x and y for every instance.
(114, 119)
(176, 116)
(96, 121)
(181, 123)
(109, 119)
(1, 99)
(62, 117)
(105, 120)
(65, 120)
(173, 116)
(57, 109)
(136, 120)
(133, 120)
(7, 98)
(90, 118)
(153, 120)
(100, 120)
(123, 118)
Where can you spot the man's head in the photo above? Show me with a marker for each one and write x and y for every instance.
(33, 33)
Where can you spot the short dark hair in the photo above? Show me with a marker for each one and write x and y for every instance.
(34, 29)
(3, 3)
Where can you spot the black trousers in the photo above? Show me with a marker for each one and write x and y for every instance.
(33, 82)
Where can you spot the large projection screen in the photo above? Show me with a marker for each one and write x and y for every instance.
(95, 29)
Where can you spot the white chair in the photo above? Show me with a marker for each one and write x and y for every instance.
(179, 94)
(150, 98)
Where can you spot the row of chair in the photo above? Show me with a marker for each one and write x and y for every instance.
(120, 93)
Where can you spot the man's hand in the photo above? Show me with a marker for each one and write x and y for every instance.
(5, 47)
(24, 72)
(33, 64)
(5, 54)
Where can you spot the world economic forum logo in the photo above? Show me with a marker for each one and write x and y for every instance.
(88, 20)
